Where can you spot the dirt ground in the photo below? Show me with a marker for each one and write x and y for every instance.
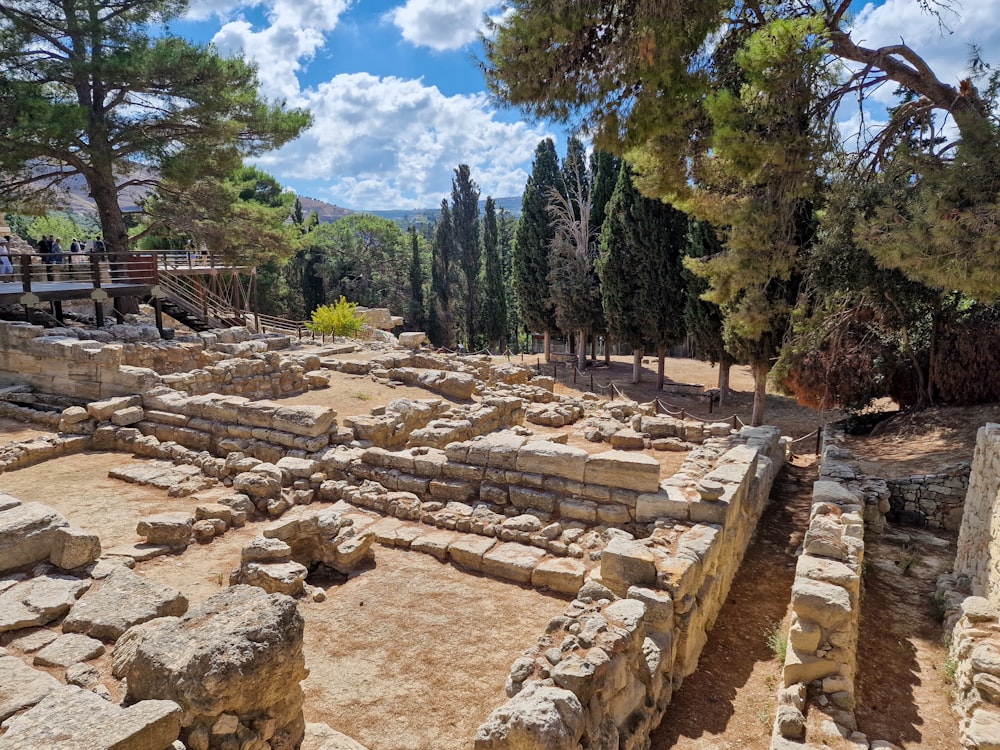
(399, 654)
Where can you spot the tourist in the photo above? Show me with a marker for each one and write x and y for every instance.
(6, 269)
(55, 260)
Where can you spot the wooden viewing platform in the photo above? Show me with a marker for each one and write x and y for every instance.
(156, 275)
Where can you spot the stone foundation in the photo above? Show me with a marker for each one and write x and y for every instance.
(821, 652)
(933, 500)
(605, 671)
(970, 598)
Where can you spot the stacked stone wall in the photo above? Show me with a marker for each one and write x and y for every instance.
(935, 500)
(121, 360)
(604, 672)
(970, 598)
(821, 653)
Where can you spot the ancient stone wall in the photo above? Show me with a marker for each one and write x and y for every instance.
(120, 360)
(934, 500)
(970, 599)
(978, 557)
(821, 653)
(604, 672)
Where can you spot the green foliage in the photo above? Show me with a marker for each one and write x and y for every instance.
(494, 309)
(444, 272)
(362, 257)
(339, 319)
(89, 88)
(66, 226)
(640, 267)
(777, 640)
(532, 241)
(416, 315)
(467, 248)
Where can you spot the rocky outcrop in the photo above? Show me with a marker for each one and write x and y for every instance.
(32, 533)
(233, 665)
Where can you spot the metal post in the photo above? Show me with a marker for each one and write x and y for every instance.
(819, 439)
(538, 364)
(734, 421)
(591, 382)
(711, 400)
(574, 374)
(683, 415)
(555, 370)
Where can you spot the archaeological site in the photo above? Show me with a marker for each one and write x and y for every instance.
(240, 541)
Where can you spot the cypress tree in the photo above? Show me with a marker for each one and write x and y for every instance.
(642, 242)
(494, 319)
(441, 326)
(465, 239)
(532, 240)
(415, 314)
(703, 319)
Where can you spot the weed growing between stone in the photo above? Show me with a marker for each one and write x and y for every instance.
(777, 640)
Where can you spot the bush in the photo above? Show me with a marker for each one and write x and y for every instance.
(340, 319)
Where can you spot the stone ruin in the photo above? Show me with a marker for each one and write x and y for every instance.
(646, 561)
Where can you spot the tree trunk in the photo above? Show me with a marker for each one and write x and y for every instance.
(636, 365)
(581, 354)
(607, 351)
(725, 364)
(593, 348)
(661, 355)
(105, 194)
(760, 371)
(547, 346)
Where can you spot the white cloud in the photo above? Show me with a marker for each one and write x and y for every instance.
(295, 31)
(440, 24)
(944, 41)
(390, 143)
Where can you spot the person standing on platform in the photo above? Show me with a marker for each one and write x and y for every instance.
(53, 266)
(75, 248)
(6, 269)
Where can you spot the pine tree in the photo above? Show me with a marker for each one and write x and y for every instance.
(494, 318)
(415, 313)
(465, 239)
(532, 240)
(441, 323)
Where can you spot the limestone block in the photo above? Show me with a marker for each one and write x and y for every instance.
(285, 577)
(125, 417)
(539, 717)
(170, 529)
(715, 511)
(257, 485)
(668, 502)
(578, 510)
(825, 538)
(562, 574)
(322, 737)
(247, 641)
(102, 410)
(349, 552)
(512, 561)
(412, 339)
(625, 563)
(304, 419)
(983, 730)
(527, 498)
(467, 550)
(826, 491)
(831, 571)
(435, 543)
(447, 490)
(257, 413)
(28, 534)
(124, 599)
(21, 686)
(634, 471)
(67, 649)
(545, 457)
(74, 415)
(627, 439)
(804, 636)
(71, 718)
(826, 604)
(454, 385)
(659, 607)
(73, 548)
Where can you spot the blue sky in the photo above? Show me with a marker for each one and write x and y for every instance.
(399, 101)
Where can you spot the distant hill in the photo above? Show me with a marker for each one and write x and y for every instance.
(77, 200)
